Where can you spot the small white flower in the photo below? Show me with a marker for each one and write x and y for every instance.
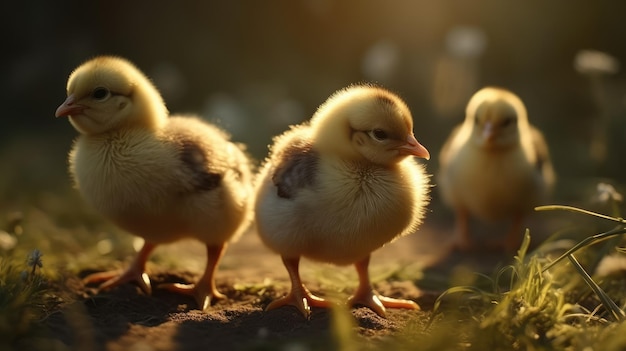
(595, 62)
(606, 192)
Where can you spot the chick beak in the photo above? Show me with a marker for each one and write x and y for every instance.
(68, 108)
(413, 147)
(488, 131)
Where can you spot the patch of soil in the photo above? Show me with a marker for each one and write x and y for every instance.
(125, 319)
(251, 277)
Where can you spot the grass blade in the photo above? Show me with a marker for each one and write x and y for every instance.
(579, 210)
(594, 239)
(457, 290)
(616, 312)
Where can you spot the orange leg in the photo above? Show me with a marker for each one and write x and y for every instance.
(513, 239)
(462, 239)
(367, 297)
(135, 272)
(205, 290)
(299, 296)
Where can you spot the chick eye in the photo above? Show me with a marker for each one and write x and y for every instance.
(100, 93)
(378, 134)
(507, 121)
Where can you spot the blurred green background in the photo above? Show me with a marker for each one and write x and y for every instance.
(254, 67)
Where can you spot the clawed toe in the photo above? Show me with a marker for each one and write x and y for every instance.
(378, 303)
(203, 295)
(112, 279)
(302, 299)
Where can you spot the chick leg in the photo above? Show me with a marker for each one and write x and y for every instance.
(135, 272)
(299, 296)
(513, 239)
(462, 240)
(367, 297)
(204, 291)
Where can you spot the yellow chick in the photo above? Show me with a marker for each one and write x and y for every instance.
(158, 177)
(341, 186)
(494, 166)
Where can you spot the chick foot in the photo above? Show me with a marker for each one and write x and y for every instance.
(299, 296)
(378, 303)
(302, 299)
(204, 291)
(134, 273)
(366, 296)
(462, 239)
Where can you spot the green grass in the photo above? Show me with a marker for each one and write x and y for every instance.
(544, 300)
(45, 238)
(24, 299)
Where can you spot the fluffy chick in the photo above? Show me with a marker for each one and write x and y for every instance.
(494, 166)
(158, 177)
(341, 186)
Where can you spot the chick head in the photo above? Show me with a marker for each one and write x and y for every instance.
(107, 93)
(496, 116)
(366, 123)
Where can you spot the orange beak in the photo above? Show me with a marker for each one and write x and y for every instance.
(413, 147)
(68, 108)
(488, 131)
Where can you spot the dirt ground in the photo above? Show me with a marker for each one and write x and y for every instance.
(251, 277)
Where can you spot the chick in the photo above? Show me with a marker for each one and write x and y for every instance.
(341, 186)
(494, 166)
(158, 177)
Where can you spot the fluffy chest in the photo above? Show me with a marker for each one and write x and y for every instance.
(362, 197)
(476, 166)
(119, 173)
(493, 184)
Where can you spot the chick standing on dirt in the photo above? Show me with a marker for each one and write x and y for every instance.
(494, 166)
(158, 177)
(337, 188)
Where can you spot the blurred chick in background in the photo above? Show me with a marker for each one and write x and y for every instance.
(341, 186)
(158, 177)
(494, 166)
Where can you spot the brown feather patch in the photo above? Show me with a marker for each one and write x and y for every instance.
(296, 170)
(195, 160)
